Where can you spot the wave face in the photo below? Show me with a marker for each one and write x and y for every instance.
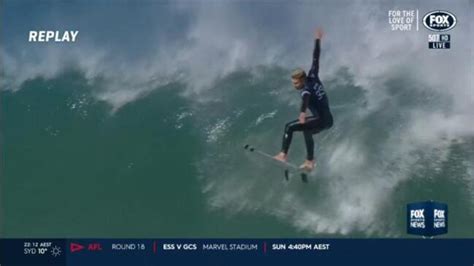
(157, 126)
(60, 142)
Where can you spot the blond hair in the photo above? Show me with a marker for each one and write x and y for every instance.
(298, 73)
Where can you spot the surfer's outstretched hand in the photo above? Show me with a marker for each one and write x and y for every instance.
(319, 33)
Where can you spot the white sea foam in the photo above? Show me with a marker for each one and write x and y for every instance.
(265, 116)
(217, 130)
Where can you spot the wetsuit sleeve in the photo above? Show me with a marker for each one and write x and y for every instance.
(305, 101)
(314, 71)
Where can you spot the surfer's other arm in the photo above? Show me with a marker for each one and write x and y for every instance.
(304, 106)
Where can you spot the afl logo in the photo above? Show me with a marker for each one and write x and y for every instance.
(439, 20)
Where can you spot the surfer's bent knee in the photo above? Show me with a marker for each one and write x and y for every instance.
(288, 126)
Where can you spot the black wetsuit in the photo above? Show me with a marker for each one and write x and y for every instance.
(315, 99)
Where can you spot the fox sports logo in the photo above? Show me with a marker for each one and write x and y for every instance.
(439, 20)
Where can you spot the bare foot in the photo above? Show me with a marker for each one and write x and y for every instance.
(281, 157)
(307, 165)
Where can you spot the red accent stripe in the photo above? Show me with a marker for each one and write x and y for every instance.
(265, 247)
(154, 246)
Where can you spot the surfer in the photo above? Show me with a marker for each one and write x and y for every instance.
(313, 98)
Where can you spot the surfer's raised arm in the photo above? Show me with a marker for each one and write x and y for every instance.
(313, 72)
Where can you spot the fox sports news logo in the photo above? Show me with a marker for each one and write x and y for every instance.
(439, 20)
(428, 218)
